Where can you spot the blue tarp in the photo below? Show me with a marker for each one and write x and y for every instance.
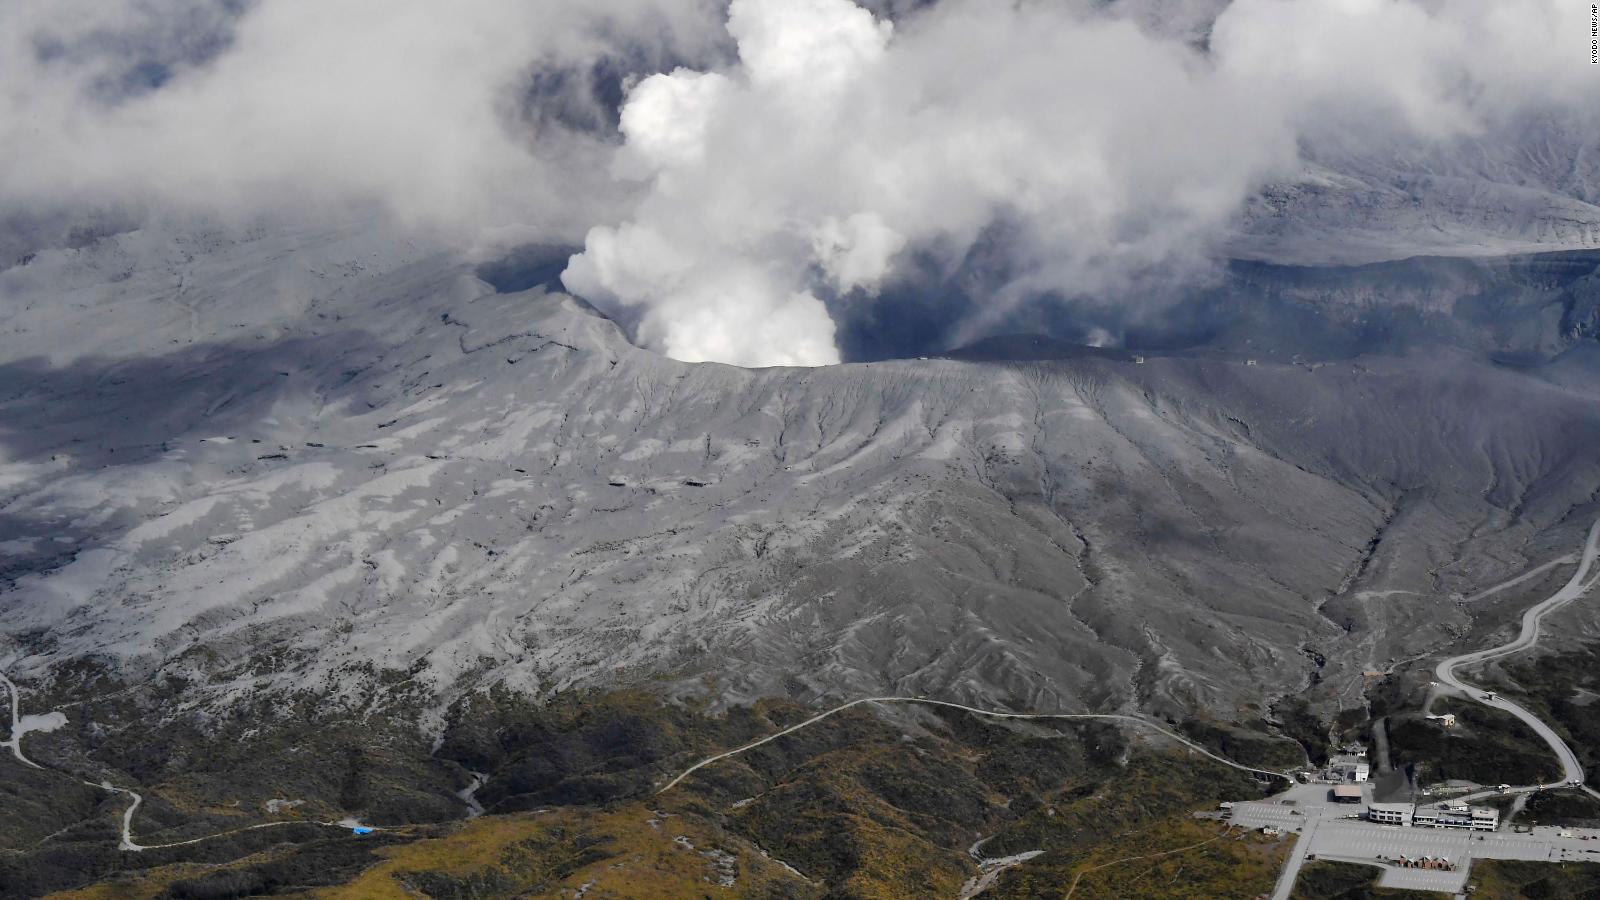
(362, 829)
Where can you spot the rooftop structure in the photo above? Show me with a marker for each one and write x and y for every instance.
(1390, 813)
(1454, 814)
(1347, 793)
(1348, 767)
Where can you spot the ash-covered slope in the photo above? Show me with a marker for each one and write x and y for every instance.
(1526, 185)
(310, 462)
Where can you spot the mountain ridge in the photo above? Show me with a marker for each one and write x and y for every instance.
(482, 488)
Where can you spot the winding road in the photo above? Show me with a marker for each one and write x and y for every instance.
(1514, 581)
(1527, 638)
(993, 714)
(15, 743)
(15, 739)
(126, 841)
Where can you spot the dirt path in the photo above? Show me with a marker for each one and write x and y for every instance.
(126, 841)
(1109, 717)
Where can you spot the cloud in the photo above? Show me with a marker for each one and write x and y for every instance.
(1429, 69)
(739, 174)
(836, 141)
(409, 107)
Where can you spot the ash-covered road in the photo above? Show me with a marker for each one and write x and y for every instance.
(1527, 638)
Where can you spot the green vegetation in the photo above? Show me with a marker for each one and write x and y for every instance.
(1486, 746)
(868, 819)
(276, 869)
(1300, 723)
(868, 803)
(1514, 880)
(1254, 746)
(1151, 788)
(1489, 746)
(34, 803)
(1348, 723)
(1175, 858)
(627, 851)
(1323, 880)
(1139, 809)
(1563, 689)
(1567, 807)
(885, 817)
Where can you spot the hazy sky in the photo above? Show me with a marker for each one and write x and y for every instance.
(772, 157)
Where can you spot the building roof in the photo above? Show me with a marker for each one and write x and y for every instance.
(1347, 790)
(1390, 807)
(1456, 808)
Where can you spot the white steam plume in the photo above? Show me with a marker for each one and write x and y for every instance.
(834, 142)
(811, 151)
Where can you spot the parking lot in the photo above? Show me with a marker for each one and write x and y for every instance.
(1261, 815)
(1330, 830)
(1364, 842)
(1290, 810)
(1424, 880)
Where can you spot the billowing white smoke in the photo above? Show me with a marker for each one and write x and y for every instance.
(836, 142)
(811, 154)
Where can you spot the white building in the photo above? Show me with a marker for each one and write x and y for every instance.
(1390, 813)
(1451, 814)
(1346, 767)
(1454, 814)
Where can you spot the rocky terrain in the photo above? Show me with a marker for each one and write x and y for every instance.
(1217, 384)
(1528, 185)
(335, 512)
(287, 462)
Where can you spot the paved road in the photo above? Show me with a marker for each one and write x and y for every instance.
(1303, 808)
(1394, 876)
(1328, 830)
(1297, 858)
(126, 841)
(1317, 831)
(15, 739)
(15, 743)
(1528, 637)
(1132, 720)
